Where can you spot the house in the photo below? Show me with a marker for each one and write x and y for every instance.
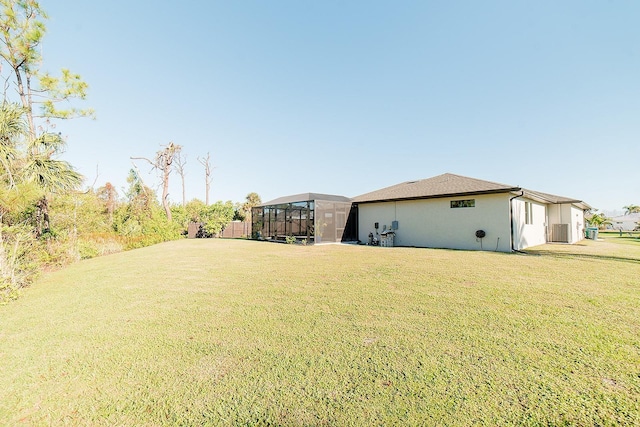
(309, 217)
(457, 212)
(627, 222)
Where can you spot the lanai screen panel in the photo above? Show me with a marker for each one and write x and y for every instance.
(257, 222)
(314, 220)
(325, 227)
(331, 221)
(276, 222)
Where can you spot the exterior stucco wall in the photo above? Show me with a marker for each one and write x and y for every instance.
(527, 235)
(433, 223)
(577, 224)
(571, 215)
(560, 214)
(555, 215)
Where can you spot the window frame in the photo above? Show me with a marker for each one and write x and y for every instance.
(528, 213)
(462, 203)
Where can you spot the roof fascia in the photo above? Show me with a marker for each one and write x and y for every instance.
(540, 198)
(441, 196)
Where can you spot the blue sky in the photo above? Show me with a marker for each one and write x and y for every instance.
(349, 97)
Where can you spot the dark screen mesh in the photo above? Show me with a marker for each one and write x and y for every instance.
(312, 220)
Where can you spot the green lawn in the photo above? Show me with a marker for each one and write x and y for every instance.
(229, 332)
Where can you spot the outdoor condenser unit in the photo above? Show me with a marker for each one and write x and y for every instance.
(560, 233)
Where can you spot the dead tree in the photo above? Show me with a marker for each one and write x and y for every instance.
(180, 162)
(162, 162)
(206, 162)
(109, 196)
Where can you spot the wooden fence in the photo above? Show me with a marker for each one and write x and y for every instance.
(233, 230)
(236, 229)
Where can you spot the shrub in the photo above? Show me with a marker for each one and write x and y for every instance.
(88, 249)
(19, 253)
(290, 240)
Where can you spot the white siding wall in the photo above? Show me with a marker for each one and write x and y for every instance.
(571, 215)
(526, 235)
(577, 224)
(433, 223)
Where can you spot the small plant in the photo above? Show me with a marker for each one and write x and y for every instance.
(290, 240)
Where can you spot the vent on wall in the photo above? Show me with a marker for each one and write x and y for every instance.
(560, 233)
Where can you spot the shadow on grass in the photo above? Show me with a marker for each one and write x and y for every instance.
(577, 255)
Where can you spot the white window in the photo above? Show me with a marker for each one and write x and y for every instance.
(528, 213)
(469, 203)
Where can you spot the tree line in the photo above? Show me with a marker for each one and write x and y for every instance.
(46, 218)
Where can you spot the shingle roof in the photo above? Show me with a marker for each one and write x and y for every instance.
(305, 197)
(444, 185)
(551, 198)
(632, 217)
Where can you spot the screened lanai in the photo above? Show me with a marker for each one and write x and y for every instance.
(309, 217)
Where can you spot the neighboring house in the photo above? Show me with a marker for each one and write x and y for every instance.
(451, 211)
(627, 222)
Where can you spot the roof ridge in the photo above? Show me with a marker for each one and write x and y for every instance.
(443, 185)
(483, 180)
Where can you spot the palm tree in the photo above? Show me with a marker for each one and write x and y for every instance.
(631, 209)
(13, 195)
(35, 168)
(252, 200)
(12, 127)
(598, 220)
(49, 174)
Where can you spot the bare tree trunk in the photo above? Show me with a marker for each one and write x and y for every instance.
(184, 194)
(25, 98)
(42, 216)
(164, 159)
(208, 190)
(110, 202)
(181, 161)
(206, 162)
(29, 107)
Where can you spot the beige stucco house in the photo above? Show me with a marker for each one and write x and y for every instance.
(457, 212)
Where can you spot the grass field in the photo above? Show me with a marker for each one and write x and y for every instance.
(227, 332)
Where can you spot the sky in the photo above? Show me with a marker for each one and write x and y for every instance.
(349, 97)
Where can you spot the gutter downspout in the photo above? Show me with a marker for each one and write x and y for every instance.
(513, 249)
